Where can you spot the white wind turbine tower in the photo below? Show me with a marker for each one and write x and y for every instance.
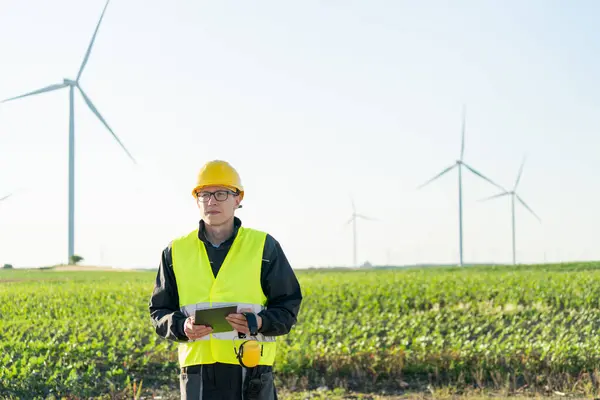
(460, 164)
(72, 85)
(353, 219)
(513, 195)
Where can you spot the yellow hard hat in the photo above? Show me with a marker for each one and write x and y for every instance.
(219, 173)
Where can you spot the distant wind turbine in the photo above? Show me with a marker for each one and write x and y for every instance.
(460, 164)
(513, 195)
(353, 219)
(72, 85)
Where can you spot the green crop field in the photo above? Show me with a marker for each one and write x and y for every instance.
(524, 329)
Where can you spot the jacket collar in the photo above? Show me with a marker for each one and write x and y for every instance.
(202, 232)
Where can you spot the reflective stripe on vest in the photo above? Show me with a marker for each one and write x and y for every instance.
(237, 283)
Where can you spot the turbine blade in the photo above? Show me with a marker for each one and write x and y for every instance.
(95, 111)
(462, 143)
(365, 217)
(479, 174)
(42, 90)
(5, 197)
(519, 174)
(495, 196)
(89, 50)
(437, 176)
(527, 207)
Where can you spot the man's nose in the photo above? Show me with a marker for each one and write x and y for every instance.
(212, 200)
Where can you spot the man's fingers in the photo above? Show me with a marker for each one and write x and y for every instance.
(199, 327)
(238, 322)
(194, 332)
(239, 327)
(238, 318)
(196, 328)
(203, 331)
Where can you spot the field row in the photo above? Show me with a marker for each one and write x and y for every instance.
(89, 332)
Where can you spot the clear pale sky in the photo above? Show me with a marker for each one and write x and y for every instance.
(312, 102)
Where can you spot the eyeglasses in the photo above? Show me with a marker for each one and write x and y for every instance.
(219, 195)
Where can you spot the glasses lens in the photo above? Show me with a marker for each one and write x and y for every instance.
(221, 195)
(204, 196)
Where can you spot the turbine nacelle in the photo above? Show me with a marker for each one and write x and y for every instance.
(69, 82)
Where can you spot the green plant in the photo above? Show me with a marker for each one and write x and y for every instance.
(75, 259)
(506, 327)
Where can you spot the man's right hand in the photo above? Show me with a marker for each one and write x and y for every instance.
(194, 332)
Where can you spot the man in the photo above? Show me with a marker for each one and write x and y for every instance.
(223, 263)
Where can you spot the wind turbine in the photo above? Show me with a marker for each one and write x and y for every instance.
(513, 195)
(460, 164)
(353, 219)
(72, 85)
(5, 197)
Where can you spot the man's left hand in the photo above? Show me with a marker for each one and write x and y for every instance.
(239, 322)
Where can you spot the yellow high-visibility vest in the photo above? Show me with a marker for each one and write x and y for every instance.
(237, 283)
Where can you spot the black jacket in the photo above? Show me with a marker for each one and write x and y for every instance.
(278, 281)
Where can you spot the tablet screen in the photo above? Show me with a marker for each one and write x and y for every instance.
(215, 318)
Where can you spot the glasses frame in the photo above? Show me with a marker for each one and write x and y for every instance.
(214, 194)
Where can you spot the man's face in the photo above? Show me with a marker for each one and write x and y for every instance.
(217, 204)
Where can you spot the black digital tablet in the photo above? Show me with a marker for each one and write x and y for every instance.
(215, 318)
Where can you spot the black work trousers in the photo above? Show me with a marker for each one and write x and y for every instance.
(227, 382)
